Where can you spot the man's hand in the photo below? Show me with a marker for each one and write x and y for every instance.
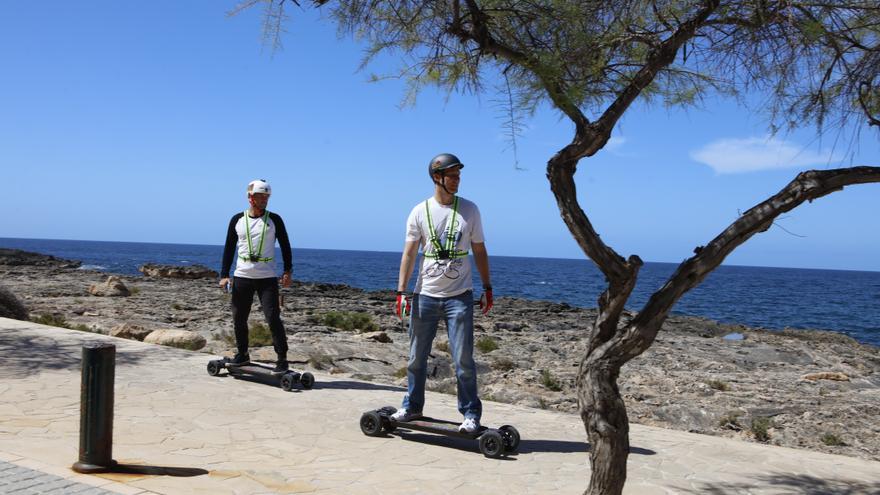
(486, 300)
(224, 283)
(286, 280)
(402, 305)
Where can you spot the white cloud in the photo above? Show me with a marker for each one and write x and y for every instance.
(732, 156)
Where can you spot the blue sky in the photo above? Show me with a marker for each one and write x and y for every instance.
(144, 121)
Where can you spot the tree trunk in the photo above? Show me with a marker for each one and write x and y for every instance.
(604, 415)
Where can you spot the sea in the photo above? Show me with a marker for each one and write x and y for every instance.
(847, 302)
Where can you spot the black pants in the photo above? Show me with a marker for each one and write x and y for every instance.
(243, 290)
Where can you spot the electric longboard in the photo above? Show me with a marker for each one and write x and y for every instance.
(494, 443)
(287, 379)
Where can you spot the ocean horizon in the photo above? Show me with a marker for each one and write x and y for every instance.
(843, 301)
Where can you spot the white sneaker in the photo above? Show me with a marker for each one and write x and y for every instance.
(469, 425)
(402, 416)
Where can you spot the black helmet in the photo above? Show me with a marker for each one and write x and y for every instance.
(442, 162)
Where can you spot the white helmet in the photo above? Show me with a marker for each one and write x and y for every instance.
(259, 186)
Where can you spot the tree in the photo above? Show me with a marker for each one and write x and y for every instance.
(818, 63)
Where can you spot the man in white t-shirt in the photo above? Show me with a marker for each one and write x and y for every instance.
(446, 227)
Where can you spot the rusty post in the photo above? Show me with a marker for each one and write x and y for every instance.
(96, 408)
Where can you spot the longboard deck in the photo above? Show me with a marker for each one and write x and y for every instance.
(253, 369)
(439, 426)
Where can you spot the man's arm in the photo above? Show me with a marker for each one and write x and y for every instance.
(481, 259)
(229, 250)
(407, 261)
(284, 243)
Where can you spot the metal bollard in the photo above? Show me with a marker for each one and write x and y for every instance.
(96, 408)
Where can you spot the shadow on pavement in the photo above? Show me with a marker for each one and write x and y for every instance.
(27, 354)
(565, 447)
(138, 469)
(525, 446)
(792, 483)
(353, 385)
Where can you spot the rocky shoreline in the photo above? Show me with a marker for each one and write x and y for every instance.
(803, 389)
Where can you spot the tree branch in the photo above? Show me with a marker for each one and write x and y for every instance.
(806, 187)
(658, 58)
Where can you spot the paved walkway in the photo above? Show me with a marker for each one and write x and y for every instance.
(179, 430)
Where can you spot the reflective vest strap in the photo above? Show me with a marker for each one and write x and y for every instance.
(450, 238)
(247, 227)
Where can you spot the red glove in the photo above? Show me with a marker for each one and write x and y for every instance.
(486, 300)
(402, 305)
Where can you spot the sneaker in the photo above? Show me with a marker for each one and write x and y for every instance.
(469, 425)
(402, 416)
(280, 367)
(240, 359)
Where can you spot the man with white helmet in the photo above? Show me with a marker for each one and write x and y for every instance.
(251, 237)
(446, 227)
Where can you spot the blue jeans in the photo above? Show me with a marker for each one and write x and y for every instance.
(458, 312)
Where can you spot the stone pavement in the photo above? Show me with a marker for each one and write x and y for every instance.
(179, 430)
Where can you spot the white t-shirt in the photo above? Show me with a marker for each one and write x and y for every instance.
(449, 277)
(255, 269)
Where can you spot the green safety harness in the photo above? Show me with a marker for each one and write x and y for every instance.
(448, 251)
(251, 256)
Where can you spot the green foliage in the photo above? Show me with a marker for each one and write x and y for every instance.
(51, 320)
(259, 335)
(832, 440)
(549, 381)
(731, 421)
(400, 373)
(486, 344)
(320, 361)
(718, 385)
(56, 320)
(760, 427)
(349, 321)
(503, 364)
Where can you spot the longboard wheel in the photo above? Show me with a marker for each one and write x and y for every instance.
(371, 423)
(287, 381)
(511, 438)
(492, 444)
(214, 367)
(307, 380)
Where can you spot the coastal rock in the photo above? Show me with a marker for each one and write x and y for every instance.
(171, 337)
(826, 375)
(17, 257)
(113, 287)
(130, 331)
(188, 272)
(378, 337)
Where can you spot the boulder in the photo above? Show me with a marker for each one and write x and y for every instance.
(130, 331)
(113, 287)
(176, 271)
(181, 339)
(10, 306)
